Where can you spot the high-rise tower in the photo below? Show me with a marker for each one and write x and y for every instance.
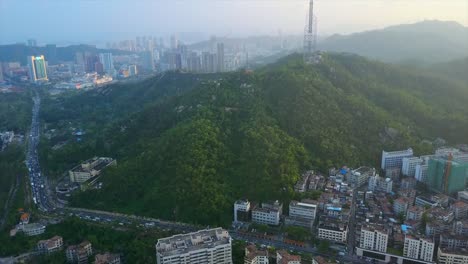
(37, 68)
(310, 35)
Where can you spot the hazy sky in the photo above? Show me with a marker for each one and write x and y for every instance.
(92, 20)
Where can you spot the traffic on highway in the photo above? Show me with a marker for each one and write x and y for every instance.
(37, 180)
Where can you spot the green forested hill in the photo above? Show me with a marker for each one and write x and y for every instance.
(189, 155)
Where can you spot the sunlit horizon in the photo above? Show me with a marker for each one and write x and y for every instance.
(99, 20)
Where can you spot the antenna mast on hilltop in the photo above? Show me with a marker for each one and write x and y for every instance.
(310, 36)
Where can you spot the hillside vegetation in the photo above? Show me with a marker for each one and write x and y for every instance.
(187, 156)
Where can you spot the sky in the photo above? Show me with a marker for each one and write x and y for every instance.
(87, 21)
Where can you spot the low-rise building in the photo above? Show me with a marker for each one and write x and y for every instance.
(400, 205)
(33, 229)
(253, 255)
(380, 184)
(461, 227)
(419, 248)
(453, 241)
(302, 213)
(268, 214)
(79, 253)
(89, 169)
(210, 246)
(460, 209)
(333, 230)
(408, 183)
(463, 196)
(283, 257)
(50, 245)
(242, 211)
(425, 202)
(447, 256)
(436, 227)
(360, 176)
(107, 258)
(414, 213)
(441, 214)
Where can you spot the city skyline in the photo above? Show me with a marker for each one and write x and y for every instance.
(195, 20)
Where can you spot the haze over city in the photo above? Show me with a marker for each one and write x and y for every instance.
(92, 21)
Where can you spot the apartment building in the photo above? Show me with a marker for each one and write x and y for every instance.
(414, 213)
(210, 246)
(460, 209)
(419, 248)
(79, 253)
(32, 229)
(374, 238)
(268, 214)
(283, 257)
(360, 176)
(50, 245)
(302, 213)
(447, 256)
(400, 205)
(333, 231)
(253, 255)
(107, 258)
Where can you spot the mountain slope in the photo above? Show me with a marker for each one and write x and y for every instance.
(251, 134)
(455, 70)
(423, 42)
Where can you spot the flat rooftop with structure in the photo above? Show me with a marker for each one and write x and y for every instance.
(89, 169)
(211, 246)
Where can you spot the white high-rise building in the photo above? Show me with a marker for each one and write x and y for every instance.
(409, 165)
(107, 62)
(374, 238)
(394, 159)
(211, 246)
(419, 248)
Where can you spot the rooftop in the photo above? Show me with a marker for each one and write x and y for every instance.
(462, 252)
(286, 257)
(304, 203)
(51, 241)
(399, 152)
(184, 243)
(242, 201)
(252, 251)
(95, 163)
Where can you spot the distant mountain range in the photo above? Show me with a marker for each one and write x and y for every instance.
(424, 42)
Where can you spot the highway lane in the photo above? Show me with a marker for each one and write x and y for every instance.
(36, 179)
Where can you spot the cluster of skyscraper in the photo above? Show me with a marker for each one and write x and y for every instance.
(100, 63)
(155, 55)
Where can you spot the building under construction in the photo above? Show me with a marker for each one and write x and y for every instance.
(448, 174)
